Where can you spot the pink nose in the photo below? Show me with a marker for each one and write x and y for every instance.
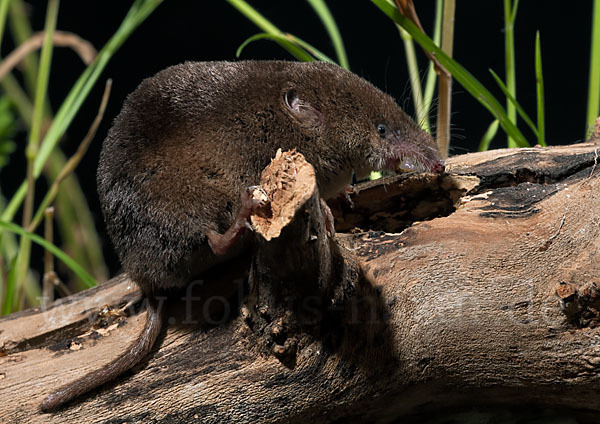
(438, 167)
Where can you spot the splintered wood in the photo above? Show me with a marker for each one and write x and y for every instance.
(289, 181)
(493, 303)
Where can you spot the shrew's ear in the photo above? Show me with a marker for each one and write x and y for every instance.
(299, 109)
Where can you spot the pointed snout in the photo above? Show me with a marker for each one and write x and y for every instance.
(438, 167)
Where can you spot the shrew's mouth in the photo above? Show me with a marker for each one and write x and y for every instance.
(413, 161)
(408, 164)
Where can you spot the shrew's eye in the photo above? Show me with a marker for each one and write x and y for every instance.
(381, 129)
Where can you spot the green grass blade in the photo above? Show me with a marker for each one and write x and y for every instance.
(9, 289)
(513, 14)
(489, 135)
(3, 12)
(8, 126)
(510, 14)
(516, 104)
(437, 37)
(593, 109)
(539, 83)
(468, 81)
(9, 248)
(43, 75)
(21, 31)
(263, 23)
(62, 256)
(320, 7)
(319, 55)
(300, 49)
(421, 112)
(253, 15)
(293, 49)
(138, 12)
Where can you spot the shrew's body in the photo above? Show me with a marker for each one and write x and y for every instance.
(190, 139)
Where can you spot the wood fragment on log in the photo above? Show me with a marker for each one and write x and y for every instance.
(482, 292)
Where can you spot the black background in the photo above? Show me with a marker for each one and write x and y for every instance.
(181, 30)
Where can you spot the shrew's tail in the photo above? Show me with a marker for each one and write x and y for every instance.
(131, 356)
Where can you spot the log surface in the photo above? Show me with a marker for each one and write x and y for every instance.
(479, 287)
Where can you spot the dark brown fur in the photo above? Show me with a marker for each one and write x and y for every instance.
(191, 138)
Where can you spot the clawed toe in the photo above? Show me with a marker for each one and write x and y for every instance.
(254, 197)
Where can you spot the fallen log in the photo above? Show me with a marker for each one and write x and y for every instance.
(478, 288)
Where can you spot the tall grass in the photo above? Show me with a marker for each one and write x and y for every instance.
(14, 268)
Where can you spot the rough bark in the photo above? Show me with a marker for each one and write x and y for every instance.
(480, 287)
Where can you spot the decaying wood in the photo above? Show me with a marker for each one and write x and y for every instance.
(479, 287)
